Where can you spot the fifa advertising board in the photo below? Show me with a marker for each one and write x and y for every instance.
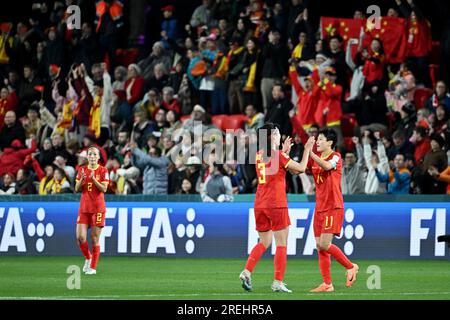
(371, 230)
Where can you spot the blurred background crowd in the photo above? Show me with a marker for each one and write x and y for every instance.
(137, 74)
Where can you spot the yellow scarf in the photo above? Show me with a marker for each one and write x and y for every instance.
(67, 114)
(250, 84)
(45, 187)
(56, 187)
(94, 120)
(297, 52)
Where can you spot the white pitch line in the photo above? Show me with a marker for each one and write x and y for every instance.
(217, 294)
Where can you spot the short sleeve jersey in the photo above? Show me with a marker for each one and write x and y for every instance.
(328, 183)
(271, 191)
(92, 199)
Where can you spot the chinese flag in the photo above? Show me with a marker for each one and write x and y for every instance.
(393, 35)
(346, 28)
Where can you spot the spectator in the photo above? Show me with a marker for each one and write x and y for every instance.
(160, 78)
(278, 110)
(422, 144)
(337, 55)
(60, 182)
(169, 26)
(371, 113)
(375, 161)
(400, 145)
(353, 173)
(154, 166)
(127, 176)
(157, 56)
(202, 14)
(435, 158)
(438, 121)
(142, 128)
(274, 66)
(134, 85)
(45, 177)
(11, 131)
(174, 125)
(24, 182)
(61, 163)
(235, 66)
(32, 124)
(160, 123)
(440, 96)
(250, 72)
(443, 176)
(27, 92)
(9, 186)
(8, 102)
(120, 76)
(217, 186)
(255, 119)
(416, 174)
(194, 172)
(168, 100)
(186, 187)
(397, 178)
(13, 157)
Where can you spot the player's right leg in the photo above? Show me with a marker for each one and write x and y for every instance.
(325, 269)
(265, 240)
(81, 233)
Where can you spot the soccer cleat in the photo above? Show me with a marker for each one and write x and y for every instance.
(351, 275)
(278, 286)
(91, 271)
(87, 263)
(246, 280)
(323, 288)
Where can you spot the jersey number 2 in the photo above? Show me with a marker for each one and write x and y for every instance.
(89, 186)
(262, 173)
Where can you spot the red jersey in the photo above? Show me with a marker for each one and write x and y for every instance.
(271, 192)
(92, 199)
(328, 183)
(306, 102)
(330, 97)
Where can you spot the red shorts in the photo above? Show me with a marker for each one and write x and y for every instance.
(91, 219)
(329, 221)
(271, 219)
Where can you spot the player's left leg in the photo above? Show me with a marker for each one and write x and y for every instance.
(95, 239)
(280, 260)
(325, 244)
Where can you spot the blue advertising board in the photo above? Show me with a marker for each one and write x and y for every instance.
(371, 230)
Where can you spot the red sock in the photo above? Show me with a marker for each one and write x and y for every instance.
(324, 265)
(84, 247)
(340, 256)
(95, 256)
(254, 257)
(279, 262)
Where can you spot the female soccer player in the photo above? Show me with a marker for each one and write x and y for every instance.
(92, 180)
(329, 210)
(271, 209)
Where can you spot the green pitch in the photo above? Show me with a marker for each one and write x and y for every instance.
(211, 279)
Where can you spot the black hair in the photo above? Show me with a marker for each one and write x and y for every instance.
(330, 135)
(157, 151)
(421, 131)
(269, 127)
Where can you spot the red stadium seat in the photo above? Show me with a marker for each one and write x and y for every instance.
(234, 122)
(348, 124)
(218, 120)
(421, 96)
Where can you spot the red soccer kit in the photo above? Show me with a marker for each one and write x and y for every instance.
(330, 97)
(92, 204)
(271, 210)
(329, 211)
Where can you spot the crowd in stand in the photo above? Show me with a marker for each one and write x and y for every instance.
(65, 89)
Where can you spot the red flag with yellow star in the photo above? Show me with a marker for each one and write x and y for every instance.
(393, 35)
(346, 28)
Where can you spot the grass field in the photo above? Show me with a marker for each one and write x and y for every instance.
(211, 279)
